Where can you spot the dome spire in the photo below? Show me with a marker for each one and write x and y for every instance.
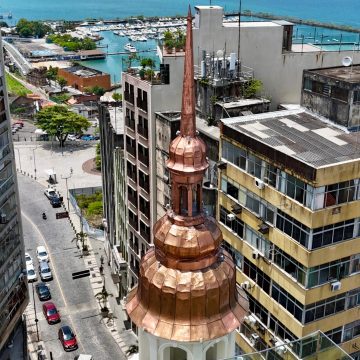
(187, 123)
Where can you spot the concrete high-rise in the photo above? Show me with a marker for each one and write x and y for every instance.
(13, 286)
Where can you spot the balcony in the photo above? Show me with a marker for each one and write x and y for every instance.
(142, 104)
(143, 131)
(144, 183)
(145, 210)
(132, 175)
(133, 199)
(129, 97)
(133, 223)
(145, 233)
(144, 159)
(131, 150)
(130, 123)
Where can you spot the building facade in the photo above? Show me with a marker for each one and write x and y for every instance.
(81, 77)
(266, 47)
(142, 98)
(13, 285)
(111, 124)
(289, 207)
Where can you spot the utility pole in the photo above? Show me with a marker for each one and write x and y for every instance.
(67, 189)
(33, 150)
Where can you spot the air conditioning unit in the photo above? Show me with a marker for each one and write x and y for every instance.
(245, 285)
(335, 286)
(254, 338)
(250, 320)
(264, 228)
(259, 183)
(255, 255)
(166, 179)
(280, 347)
(230, 217)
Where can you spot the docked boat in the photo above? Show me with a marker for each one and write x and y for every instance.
(130, 48)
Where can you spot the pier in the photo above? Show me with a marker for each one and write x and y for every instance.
(128, 53)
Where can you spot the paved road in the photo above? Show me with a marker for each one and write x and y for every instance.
(74, 298)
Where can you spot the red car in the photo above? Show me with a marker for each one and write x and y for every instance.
(50, 312)
(67, 338)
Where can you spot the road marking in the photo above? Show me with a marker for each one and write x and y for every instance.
(54, 273)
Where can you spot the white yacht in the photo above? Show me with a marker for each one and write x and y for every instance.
(130, 48)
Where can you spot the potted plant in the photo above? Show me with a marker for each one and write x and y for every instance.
(149, 74)
(169, 45)
(142, 74)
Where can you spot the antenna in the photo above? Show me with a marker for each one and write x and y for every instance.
(347, 61)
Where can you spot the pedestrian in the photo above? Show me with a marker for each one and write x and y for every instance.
(102, 259)
(101, 268)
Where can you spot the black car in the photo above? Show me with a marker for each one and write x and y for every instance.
(55, 201)
(43, 291)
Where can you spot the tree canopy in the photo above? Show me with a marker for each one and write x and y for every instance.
(70, 43)
(26, 28)
(58, 120)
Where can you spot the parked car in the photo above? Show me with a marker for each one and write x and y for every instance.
(50, 192)
(55, 201)
(31, 273)
(28, 259)
(83, 357)
(67, 338)
(87, 137)
(43, 291)
(42, 254)
(51, 314)
(44, 270)
(19, 122)
(72, 137)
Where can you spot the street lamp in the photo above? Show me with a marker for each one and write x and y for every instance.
(36, 319)
(33, 150)
(67, 189)
(19, 157)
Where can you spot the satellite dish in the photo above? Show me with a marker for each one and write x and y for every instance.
(346, 61)
(219, 53)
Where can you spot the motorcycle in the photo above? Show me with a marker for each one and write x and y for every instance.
(44, 216)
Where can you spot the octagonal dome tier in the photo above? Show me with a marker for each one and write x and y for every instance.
(186, 305)
(187, 154)
(185, 247)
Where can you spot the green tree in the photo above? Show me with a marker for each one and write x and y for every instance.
(51, 73)
(117, 97)
(251, 88)
(98, 90)
(98, 157)
(59, 121)
(62, 82)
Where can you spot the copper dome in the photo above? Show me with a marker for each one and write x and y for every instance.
(187, 282)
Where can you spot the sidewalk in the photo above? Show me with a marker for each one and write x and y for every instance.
(117, 315)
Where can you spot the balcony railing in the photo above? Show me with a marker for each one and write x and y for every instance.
(130, 123)
(144, 159)
(145, 234)
(131, 150)
(144, 184)
(129, 97)
(143, 131)
(142, 104)
(132, 175)
(133, 223)
(133, 199)
(145, 210)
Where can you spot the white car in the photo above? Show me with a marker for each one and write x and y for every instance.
(28, 259)
(50, 192)
(72, 137)
(42, 254)
(31, 273)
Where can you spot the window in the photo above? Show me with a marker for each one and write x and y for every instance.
(237, 257)
(335, 335)
(340, 193)
(255, 274)
(330, 234)
(331, 271)
(256, 240)
(356, 96)
(234, 154)
(235, 225)
(351, 330)
(339, 93)
(307, 84)
(295, 229)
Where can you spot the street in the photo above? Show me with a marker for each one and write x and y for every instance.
(73, 298)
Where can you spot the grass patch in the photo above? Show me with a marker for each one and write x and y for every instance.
(92, 208)
(14, 87)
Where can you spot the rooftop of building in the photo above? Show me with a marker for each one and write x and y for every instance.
(298, 134)
(201, 124)
(241, 102)
(83, 71)
(117, 119)
(349, 73)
